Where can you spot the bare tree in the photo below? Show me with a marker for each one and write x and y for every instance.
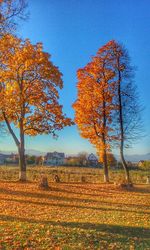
(11, 11)
(127, 117)
(82, 157)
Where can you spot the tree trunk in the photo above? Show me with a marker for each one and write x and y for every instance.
(22, 160)
(106, 175)
(22, 164)
(21, 147)
(127, 177)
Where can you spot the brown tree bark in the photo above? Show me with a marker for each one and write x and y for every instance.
(20, 146)
(22, 160)
(106, 173)
(127, 176)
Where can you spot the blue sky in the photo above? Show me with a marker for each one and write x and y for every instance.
(72, 31)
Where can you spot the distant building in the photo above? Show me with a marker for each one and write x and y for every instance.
(92, 160)
(2, 158)
(55, 159)
(14, 158)
(140, 163)
(11, 158)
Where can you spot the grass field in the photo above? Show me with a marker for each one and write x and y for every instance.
(71, 174)
(73, 216)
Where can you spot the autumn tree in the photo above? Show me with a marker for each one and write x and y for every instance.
(108, 108)
(94, 104)
(29, 93)
(112, 162)
(11, 11)
(82, 158)
(127, 117)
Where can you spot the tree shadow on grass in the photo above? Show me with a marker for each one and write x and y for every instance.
(102, 193)
(111, 189)
(50, 196)
(82, 206)
(126, 231)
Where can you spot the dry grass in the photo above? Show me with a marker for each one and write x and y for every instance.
(71, 174)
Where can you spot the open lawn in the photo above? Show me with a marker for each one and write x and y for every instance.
(71, 174)
(73, 216)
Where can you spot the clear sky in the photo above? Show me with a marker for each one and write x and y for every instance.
(72, 31)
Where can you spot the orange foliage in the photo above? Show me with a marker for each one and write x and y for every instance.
(30, 87)
(94, 105)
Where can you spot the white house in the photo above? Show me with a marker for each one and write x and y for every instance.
(55, 159)
(92, 160)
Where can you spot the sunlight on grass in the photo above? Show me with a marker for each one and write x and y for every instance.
(74, 216)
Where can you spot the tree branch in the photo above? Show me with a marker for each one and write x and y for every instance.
(10, 129)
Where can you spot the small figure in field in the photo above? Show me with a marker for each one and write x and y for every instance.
(148, 179)
(40, 160)
(123, 185)
(44, 183)
(83, 179)
(56, 178)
